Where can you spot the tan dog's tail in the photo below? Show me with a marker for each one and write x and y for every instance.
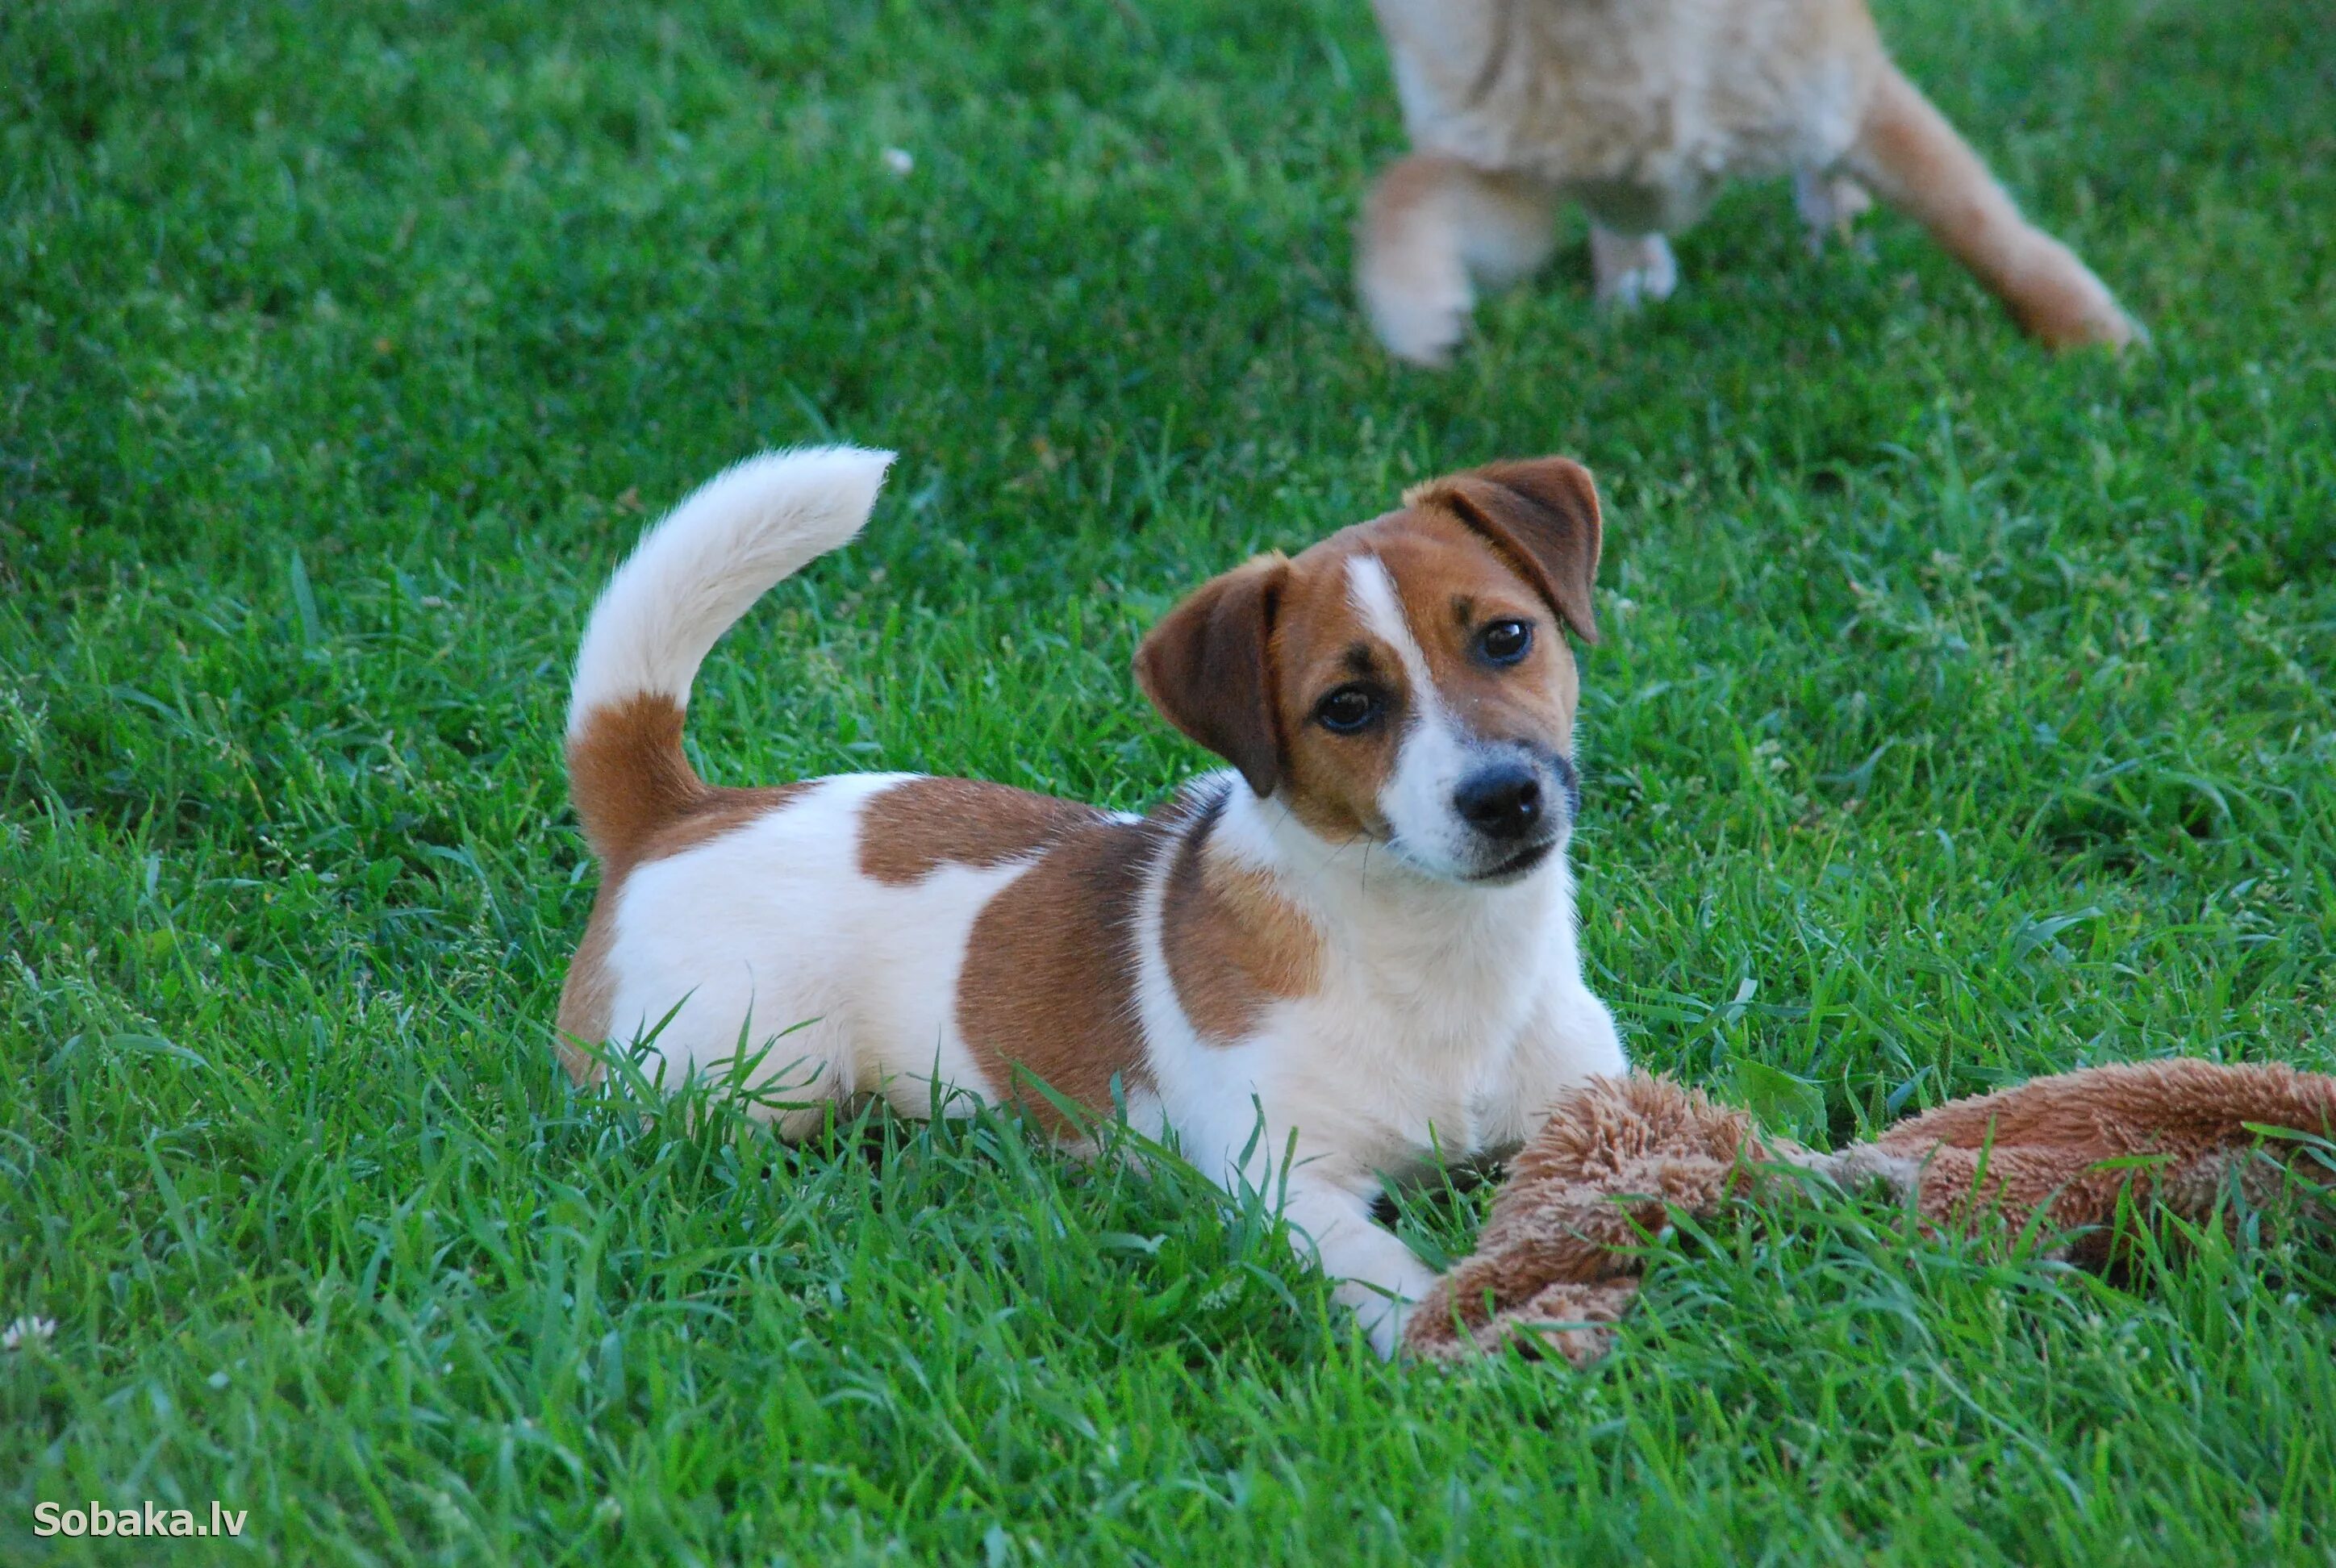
(693, 574)
(1913, 159)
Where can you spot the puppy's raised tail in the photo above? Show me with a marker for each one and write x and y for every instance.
(693, 574)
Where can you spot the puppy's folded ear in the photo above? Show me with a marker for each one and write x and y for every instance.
(1543, 515)
(1207, 667)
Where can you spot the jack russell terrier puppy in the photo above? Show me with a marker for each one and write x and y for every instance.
(1641, 110)
(1348, 955)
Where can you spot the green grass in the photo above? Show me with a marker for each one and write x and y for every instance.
(1963, 714)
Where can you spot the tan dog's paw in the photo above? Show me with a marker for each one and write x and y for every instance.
(1420, 321)
(1830, 205)
(1631, 270)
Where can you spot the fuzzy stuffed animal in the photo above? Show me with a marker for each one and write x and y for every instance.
(1558, 1259)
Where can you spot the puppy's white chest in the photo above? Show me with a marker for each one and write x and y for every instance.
(1423, 1052)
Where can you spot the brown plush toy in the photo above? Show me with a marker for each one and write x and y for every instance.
(1558, 1259)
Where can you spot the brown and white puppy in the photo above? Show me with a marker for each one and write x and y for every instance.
(1641, 110)
(1348, 955)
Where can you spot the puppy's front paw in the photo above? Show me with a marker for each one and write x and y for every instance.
(1387, 1334)
(1383, 1322)
(1381, 1286)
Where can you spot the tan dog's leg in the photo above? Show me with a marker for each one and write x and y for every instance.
(1830, 205)
(1913, 159)
(1435, 231)
(1629, 269)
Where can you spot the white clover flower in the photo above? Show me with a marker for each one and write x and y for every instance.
(27, 1331)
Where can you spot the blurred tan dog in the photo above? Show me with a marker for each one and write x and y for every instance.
(1640, 109)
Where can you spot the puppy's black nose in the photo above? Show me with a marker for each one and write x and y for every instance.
(1501, 800)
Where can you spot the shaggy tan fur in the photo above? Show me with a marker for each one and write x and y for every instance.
(1558, 1259)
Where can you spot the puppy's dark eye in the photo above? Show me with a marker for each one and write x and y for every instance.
(1348, 709)
(1504, 641)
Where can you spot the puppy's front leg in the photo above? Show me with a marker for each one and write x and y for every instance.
(1377, 1277)
(1572, 1038)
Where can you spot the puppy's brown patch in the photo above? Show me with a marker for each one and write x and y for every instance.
(628, 776)
(914, 828)
(1048, 985)
(1233, 944)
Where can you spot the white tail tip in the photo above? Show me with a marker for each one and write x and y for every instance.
(709, 558)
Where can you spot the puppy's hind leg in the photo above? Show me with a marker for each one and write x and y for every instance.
(1913, 159)
(1631, 270)
(1434, 232)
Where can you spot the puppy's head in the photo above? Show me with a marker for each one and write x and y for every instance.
(1407, 680)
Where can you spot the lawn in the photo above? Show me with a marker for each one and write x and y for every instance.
(1963, 714)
